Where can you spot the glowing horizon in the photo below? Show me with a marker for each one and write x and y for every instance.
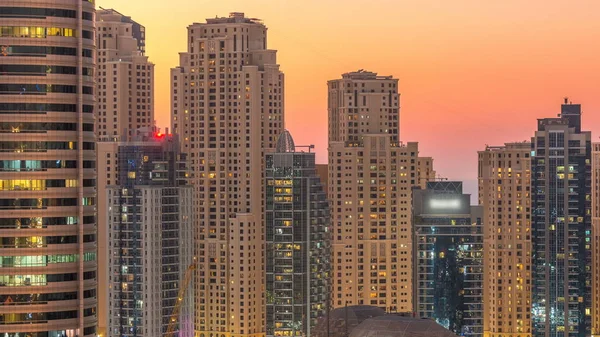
(471, 73)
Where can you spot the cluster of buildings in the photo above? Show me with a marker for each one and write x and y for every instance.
(104, 220)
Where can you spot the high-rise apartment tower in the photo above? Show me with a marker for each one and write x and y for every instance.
(124, 106)
(298, 241)
(596, 239)
(561, 225)
(149, 219)
(371, 175)
(47, 171)
(505, 195)
(448, 252)
(227, 107)
(125, 81)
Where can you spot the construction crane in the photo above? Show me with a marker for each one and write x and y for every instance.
(189, 273)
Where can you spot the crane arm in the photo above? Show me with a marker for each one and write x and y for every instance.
(180, 296)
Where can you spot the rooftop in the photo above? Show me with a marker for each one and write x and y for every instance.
(400, 326)
(234, 17)
(362, 74)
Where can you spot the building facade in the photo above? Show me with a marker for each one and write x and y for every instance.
(149, 221)
(596, 239)
(227, 106)
(124, 107)
(448, 251)
(371, 175)
(125, 81)
(561, 225)
(323, 173)
(298, 243)
(505, 195)
(47, 171)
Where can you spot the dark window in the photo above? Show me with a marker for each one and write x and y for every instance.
(24, 12)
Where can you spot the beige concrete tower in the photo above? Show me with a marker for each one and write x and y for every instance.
(47, 169)
(371, 175)
(125, 93)
(227, 107)
(426, 172)
(125, 77)
(504, 193)
(595, 239)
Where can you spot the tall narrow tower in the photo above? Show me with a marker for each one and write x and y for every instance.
(371, 175)
(561, 225)
(125, 77)
(124, 111)
(448, 257)
(505, 195)
(47, 176)
(596, 239)
(149, 221)
(298, 241)
(227, 107)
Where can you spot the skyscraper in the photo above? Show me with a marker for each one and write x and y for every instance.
(371, 175)
(124, 107)
(227, 106)
(596, 239)
(448, 251)
(505, 195)
(125, 77)
(561, 225)
(149, 218)
(298, 241)
(47, 183)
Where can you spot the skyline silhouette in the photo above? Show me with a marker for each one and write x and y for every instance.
(470, 73)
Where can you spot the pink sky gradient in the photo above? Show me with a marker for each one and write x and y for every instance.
(471, 72)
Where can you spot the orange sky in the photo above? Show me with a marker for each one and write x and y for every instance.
(471, 72)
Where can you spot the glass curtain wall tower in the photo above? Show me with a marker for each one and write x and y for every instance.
(298, 241)
(149, 220)
(448, 243)
(47, 176)
(561, 225)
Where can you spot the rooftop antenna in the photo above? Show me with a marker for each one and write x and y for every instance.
(306, 146)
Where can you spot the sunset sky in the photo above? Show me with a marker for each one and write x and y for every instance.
(471, 72)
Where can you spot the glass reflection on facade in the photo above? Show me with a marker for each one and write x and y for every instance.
(47, 169)
(561, 227)
(298, 242)
(448, 245)
(150, 223)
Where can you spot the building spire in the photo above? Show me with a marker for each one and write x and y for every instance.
(285, 142)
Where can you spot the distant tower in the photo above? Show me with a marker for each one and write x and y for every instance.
(125, 77)
(150, 225)
(124, 105)
(561, 225)
(298, 237)
(227, 106)
(596, 239)
(505, 195)
(371, 175)
(448, 251)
